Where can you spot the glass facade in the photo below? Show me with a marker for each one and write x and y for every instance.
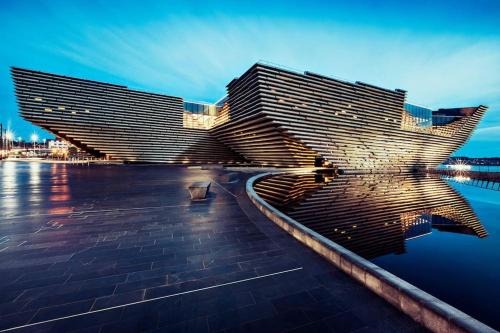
(201, 108)
(422, 117)
(199, 115)
(422, 225)
(440, 120)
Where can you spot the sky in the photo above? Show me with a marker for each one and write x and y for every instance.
(444, 53)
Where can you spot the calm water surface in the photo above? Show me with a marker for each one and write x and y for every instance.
(461, 270)
(442, 237)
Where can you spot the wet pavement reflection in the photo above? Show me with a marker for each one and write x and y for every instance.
(123, 249)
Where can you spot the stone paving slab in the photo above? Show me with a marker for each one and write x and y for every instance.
(124, 249)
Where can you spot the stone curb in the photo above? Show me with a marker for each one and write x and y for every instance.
(424, 308)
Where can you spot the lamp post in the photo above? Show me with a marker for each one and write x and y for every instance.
(19, 139)
(34, 139)
(9, 136)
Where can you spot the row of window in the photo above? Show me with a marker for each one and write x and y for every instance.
(424, 117)
(60, 107)
(199, 108)
(199, 121)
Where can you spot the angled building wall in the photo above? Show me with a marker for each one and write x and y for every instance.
(271, 116)
(283, 118)
(112, 120)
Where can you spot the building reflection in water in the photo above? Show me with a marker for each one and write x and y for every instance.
(10, 196)
(60, 194)
(35, 197)
(371, 214)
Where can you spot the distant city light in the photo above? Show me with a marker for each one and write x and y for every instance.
(460, 166)
(9, 135)
(34, 137)
(461, 179)
(19, 138)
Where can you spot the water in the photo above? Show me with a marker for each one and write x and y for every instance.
(463, 271)
(442, 237)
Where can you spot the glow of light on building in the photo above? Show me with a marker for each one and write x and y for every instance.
(461, 179)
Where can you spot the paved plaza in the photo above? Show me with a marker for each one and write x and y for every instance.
(122, 248)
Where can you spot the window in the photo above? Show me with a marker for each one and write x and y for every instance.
(418, 116)
(199, 115)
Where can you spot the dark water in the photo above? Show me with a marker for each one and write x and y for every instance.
(463, 271)
(442, 237)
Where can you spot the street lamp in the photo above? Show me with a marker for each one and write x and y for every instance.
(9, 136)
(19, 139)
(34, 139)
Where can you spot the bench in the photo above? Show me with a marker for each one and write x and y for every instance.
(199, 190)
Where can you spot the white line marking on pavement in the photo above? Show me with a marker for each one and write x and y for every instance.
(113, 210)
(149, 300)
(222, 187)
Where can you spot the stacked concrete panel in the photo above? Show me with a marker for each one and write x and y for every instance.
(112, 120)
(272, 116)
(283, 118)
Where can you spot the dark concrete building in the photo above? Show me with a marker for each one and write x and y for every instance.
(271, 116)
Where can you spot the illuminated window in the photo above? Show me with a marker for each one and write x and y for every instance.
(61, 108)
(199, 115)
(87, 110)
(48, 109)
(73, 112)
(38, 99)
(201, 121)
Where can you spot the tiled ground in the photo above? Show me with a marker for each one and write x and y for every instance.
(78, 243)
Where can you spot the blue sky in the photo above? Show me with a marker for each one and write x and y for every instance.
(444, 53)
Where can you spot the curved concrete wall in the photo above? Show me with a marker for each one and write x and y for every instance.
(424, 308)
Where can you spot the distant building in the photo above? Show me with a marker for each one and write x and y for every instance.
(59, 148)
(58, 144)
